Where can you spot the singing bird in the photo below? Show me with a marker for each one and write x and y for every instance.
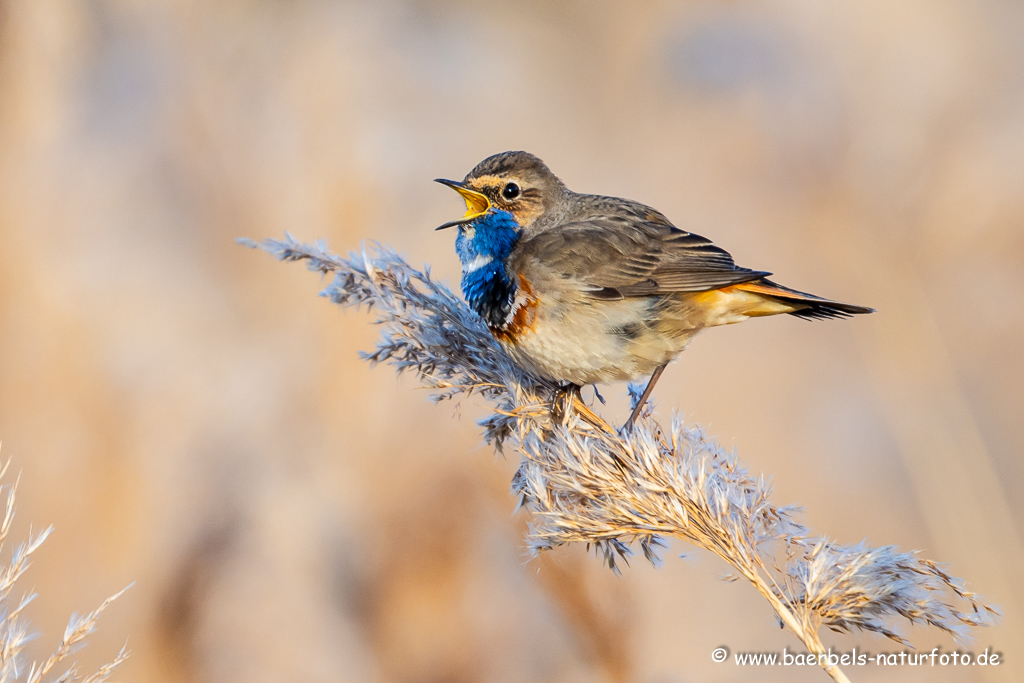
(582, 288)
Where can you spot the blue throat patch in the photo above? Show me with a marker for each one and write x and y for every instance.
(483, 246)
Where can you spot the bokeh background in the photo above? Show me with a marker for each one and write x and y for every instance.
(191, 417)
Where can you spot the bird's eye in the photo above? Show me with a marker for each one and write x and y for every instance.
(511, 191)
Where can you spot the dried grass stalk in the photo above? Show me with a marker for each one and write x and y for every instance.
(585, 483)
(14, 630)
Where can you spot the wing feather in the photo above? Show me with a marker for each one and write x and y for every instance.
(621, 248)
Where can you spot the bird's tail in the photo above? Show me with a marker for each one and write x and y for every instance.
(804, 305)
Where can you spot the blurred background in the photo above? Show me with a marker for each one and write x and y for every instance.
(193, 418)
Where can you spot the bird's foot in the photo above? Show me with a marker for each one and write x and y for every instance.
(567, 400)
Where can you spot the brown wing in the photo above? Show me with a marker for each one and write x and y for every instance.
(627, 249)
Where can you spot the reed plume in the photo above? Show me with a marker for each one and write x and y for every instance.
(14, 629)
(586, 483)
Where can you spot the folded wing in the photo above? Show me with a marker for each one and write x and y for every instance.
(625, 255)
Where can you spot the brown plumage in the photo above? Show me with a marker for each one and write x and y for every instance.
(614, 290)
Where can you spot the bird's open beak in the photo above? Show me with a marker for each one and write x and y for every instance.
(476, 204)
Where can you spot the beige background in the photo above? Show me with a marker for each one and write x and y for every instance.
(193, 418)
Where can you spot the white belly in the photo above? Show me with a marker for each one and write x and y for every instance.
(594, 341)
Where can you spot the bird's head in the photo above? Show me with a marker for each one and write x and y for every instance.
(516, 182)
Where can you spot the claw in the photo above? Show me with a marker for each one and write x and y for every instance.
(568, 399)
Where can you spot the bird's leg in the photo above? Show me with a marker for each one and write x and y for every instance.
(562, 401)
(568, 398)
(644, 396)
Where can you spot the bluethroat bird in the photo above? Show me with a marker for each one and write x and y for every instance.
(581, 288)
